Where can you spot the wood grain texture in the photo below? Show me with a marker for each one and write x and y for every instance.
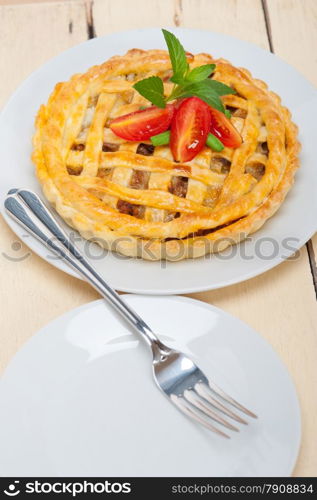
(121, 15)
(231, 17)
(280, 304)
(294, 33)
(294, 38)
(33, 292)
(26, 42)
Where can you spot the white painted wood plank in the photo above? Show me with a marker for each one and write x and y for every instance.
(32, 291)
(233, 17)
(33, 33)
(294, 37)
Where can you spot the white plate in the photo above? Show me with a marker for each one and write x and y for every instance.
(296, 218)
(79, 398)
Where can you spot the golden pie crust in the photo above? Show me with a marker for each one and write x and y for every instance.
(133, 198)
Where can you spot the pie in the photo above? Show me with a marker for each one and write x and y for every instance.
(132, 197)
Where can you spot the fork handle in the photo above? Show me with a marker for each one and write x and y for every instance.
(28, 210)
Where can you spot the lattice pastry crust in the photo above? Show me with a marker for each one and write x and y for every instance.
(133, 198)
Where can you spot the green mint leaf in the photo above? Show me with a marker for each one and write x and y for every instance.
(152, 89)
(200, 73)
(220, 88)
(213, 100)
(177, 54)
(202, 90)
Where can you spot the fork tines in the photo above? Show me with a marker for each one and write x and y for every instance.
(205, 404)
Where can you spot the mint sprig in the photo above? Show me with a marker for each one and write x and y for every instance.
(187, 83)
(207, 90)
(200, 73)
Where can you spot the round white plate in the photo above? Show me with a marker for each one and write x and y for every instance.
(287, 231)
(79, 398)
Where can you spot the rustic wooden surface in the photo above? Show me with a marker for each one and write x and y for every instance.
(280, 304)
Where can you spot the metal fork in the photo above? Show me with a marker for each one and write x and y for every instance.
(175, 373)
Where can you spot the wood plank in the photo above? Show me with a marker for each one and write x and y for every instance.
(313, 256)
(33, 292)
(109, 16)
(294, 33)
(233, 17)
(20, 2)
(30, 43)
(311, 249)
(294, 37)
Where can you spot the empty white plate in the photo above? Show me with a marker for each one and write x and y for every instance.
(79, 399)
(279, 238)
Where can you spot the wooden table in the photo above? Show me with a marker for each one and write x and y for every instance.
(280, 304)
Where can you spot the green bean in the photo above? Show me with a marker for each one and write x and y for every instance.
(214, 143)
(161, 139)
